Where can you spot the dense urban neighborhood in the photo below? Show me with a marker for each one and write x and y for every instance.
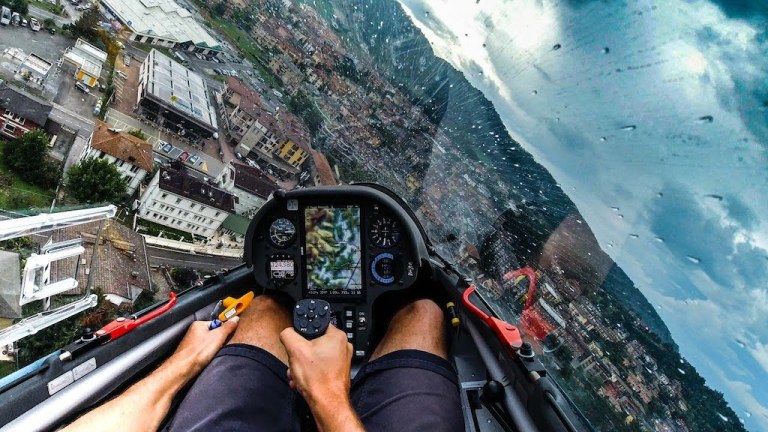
(189, 115)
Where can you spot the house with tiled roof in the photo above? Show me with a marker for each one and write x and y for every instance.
(321, 170)
(21, 112)
(114, 261)
(250, 186)
(131, 156)
(279, 139)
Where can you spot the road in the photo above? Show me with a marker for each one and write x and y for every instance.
(43, 14)
(65, 116)
(158, 256)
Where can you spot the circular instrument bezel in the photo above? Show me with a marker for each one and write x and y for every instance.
(393, 238)
(282, 244)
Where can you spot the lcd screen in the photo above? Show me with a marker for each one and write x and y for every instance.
(333, 255)
(282, 269)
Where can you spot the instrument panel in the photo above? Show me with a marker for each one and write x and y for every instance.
(346, 245)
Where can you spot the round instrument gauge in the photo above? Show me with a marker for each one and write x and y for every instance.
(282, 232)
(383, 268)
(384, 232)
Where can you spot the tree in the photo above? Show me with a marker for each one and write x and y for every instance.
(138, 133)
(85, 26)
(96, 180)
(27, 157)
(302, 106)
(19, 199)
(49, 22)
(19, 6)
(184, 277)
(219, 9)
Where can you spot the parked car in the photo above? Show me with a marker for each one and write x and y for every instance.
(122, 74)
(167, 147)
(34, 24)
(193, 159)
(82, 87)
(51, 30)
(24, 22)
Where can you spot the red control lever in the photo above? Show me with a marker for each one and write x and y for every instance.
(122, 325)
(507, 334)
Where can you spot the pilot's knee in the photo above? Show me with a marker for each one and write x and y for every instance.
(425, 310)
(270, 303)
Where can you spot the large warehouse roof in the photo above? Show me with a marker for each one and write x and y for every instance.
(163, 19)
(173, 84)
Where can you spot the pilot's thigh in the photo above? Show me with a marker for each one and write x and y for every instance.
(408, 390)
(243, 388)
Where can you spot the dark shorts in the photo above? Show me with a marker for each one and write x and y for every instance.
(246, 389)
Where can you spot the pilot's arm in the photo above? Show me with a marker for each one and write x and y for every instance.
(319, 370)
(145, 404)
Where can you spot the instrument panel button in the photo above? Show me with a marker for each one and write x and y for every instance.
(300, 311)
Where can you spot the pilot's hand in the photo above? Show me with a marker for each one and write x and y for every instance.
(200, 345)
(319, 369)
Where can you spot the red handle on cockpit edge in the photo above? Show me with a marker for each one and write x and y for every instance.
(119, 327)
(507, 334)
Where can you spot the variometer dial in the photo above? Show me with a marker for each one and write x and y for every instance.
(282, 232)
(384, 232)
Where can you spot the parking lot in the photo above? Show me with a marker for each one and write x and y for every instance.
(45, 45)
(125, 88)
(48, 46)
(209, 155)
(72, 98)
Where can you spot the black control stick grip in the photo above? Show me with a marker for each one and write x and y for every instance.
(311, 317)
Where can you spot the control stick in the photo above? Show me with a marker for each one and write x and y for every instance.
(311, 317)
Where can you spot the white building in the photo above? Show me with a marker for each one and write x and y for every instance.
(88, 59)
(163, 23)
(34, 69)
(250, 186)
(130, 155)
(176, 96)
(177, 200)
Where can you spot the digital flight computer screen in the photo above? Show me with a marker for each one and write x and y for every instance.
(333, 251)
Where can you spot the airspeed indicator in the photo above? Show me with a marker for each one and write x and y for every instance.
(282, 232)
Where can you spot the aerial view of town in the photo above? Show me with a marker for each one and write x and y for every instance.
(187, 115)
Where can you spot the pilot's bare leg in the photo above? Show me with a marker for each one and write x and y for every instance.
(245, 387)
(260, 325)
(409, 376)
(417, 326)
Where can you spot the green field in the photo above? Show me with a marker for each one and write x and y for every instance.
(14, 190)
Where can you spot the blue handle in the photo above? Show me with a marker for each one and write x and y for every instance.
(216, 323)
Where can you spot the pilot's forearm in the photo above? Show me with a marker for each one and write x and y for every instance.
(335, 414)
(144, 405)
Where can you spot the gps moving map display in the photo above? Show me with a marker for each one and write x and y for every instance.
(333, 256)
